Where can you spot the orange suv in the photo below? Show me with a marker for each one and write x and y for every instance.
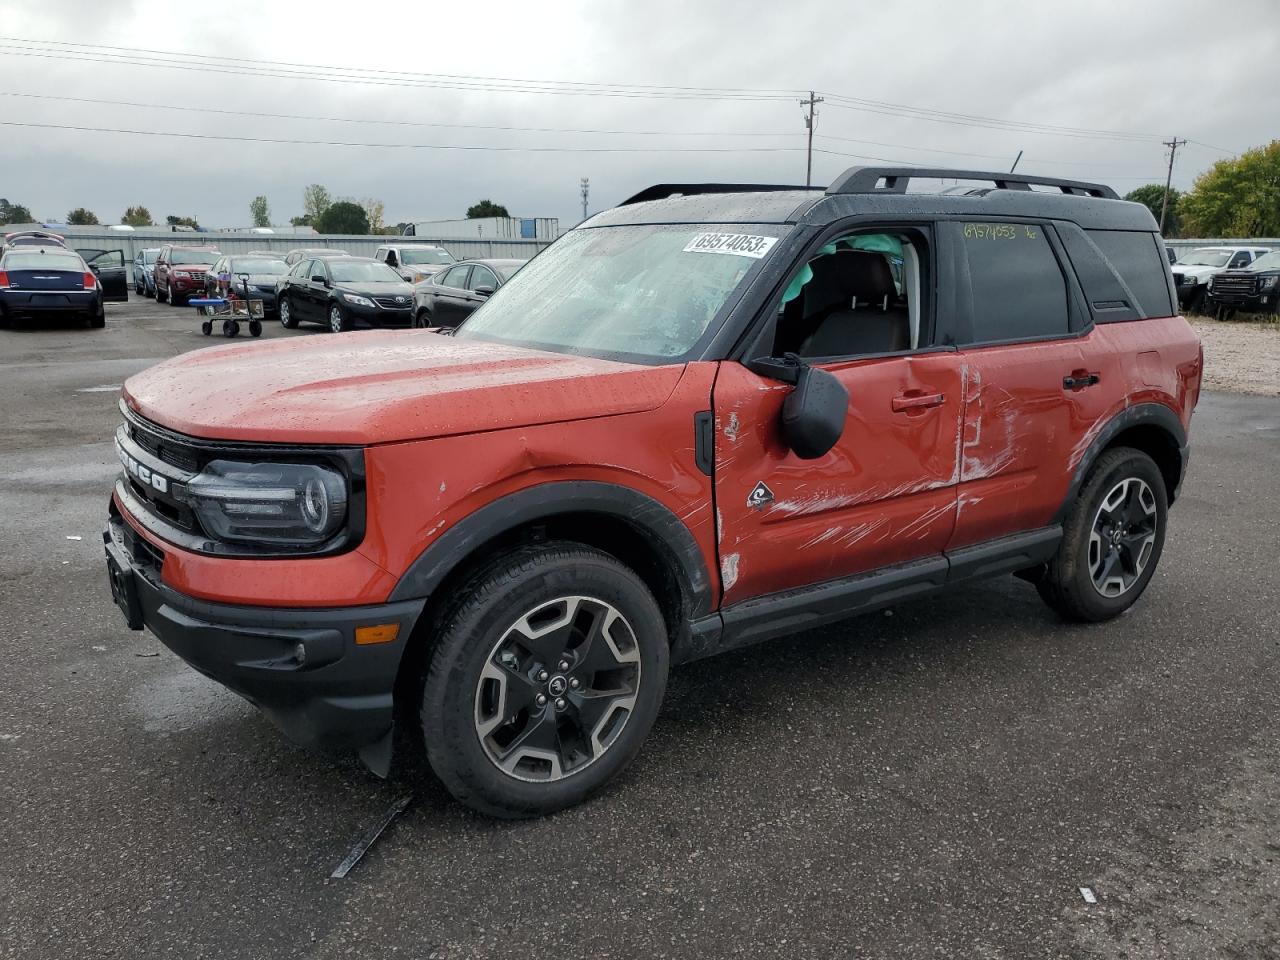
(713, 415)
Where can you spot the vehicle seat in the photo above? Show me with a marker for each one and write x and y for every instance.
(851, 308)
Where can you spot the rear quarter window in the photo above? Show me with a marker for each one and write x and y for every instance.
(1139, 260)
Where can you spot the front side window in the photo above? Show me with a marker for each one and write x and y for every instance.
(645, 292)
(858, 295)
(1018, 288)
(1241, 259)
(457, 277)
(482, 277)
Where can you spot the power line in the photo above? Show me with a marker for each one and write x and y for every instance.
(367, 120)
(396, 146)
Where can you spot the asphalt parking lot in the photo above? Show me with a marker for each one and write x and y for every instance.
(939, 780)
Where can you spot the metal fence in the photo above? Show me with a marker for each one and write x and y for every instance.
(1181, 246)
(130, 242)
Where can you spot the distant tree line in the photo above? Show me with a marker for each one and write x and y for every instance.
(1238, 197)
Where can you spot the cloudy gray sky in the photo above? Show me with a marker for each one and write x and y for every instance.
(1140, 72)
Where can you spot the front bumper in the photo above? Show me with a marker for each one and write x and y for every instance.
(1250, 301)
(301, 667)
(380, 316)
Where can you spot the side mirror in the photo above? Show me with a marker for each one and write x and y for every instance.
(814, 412)
(483, 291)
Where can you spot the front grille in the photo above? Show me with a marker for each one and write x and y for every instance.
(390, 303)
(166, 447)
(1236, 285)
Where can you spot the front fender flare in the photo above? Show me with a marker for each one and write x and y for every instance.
(548, 500)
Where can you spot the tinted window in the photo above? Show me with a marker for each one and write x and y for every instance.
(300, 269)
(1137, 258)
(1240, 260)
(457, 277)
(1018, 288)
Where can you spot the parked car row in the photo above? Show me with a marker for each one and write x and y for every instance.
(1193, 271)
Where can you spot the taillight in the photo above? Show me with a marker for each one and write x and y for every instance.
(4, 279)
(90, 281)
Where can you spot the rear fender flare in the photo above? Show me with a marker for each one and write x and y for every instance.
(1143, 414)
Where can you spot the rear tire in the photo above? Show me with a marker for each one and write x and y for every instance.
(286, 314)
(1112, 539)
(422, 319)
(547, 673)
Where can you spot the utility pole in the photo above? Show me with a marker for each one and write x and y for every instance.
(585, 184)
(1173, 146)
(812, 102)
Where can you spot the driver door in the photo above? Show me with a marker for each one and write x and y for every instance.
(108, 267)
(885, 494)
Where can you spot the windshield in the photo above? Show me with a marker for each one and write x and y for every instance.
(645, 292)
(258, 265)
(1268, 261)
(43, 261)
(1205, 258)
(408, 255)
(348, 271)
(193, 256)
(149, 256)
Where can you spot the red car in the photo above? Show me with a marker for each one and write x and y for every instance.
(711, 416)
(180, 271)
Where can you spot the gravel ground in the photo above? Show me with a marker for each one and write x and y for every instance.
(1240, 357)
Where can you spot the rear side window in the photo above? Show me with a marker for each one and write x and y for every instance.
(1018, 289)
(1140, 262)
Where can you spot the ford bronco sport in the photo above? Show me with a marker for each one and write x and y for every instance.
(713, 415)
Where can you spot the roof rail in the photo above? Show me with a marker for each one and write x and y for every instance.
(661, 191)
(867, 180)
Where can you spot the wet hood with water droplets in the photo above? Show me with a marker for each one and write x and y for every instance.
(384, 387)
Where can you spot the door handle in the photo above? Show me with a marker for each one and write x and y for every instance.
(1079, 379)
(916, 400)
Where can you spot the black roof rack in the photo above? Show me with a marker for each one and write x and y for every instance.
(867, 180)
(661, 191)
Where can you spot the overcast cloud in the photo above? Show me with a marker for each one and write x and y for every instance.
(1162, 69)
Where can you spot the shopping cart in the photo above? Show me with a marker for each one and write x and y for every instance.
(231, 310)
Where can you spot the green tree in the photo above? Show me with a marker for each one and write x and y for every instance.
(486, 208)
(137, 217)
(1239, 197)
(1151, 196)
(14, 212)
(315, 201)
(302, 221)
(81, 217)
(345, 217)
(173, 221)
(260, 211)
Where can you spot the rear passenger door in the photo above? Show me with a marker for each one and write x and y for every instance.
(452, 298)
(1018, 325)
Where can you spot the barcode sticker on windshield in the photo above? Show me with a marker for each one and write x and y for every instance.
(738, 244)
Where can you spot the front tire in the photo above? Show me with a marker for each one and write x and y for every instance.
(1111, 540)
(160, 298)
(338, 320)
(286, 314)
(545, 679)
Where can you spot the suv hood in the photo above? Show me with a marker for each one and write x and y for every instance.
(1199, 272)
(384, 387)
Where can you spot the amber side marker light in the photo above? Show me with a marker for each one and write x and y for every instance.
(382, 633)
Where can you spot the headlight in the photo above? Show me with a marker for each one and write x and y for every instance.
(358, 301)
(418, 277)
(280, 504)
(182, 273)
(1266, 283)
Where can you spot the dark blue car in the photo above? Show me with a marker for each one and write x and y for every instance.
(38, 281)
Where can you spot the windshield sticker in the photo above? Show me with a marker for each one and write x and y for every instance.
(738, 244)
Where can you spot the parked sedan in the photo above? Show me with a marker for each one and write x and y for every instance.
(451, 296)
(144, 272)
(263, 273)
(39, 281)
(343, 292)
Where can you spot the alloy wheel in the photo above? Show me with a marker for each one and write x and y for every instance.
(557, 689)
(284, 312)
(335, 318)
(1123, 537)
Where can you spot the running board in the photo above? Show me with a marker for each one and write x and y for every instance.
(777, 614)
